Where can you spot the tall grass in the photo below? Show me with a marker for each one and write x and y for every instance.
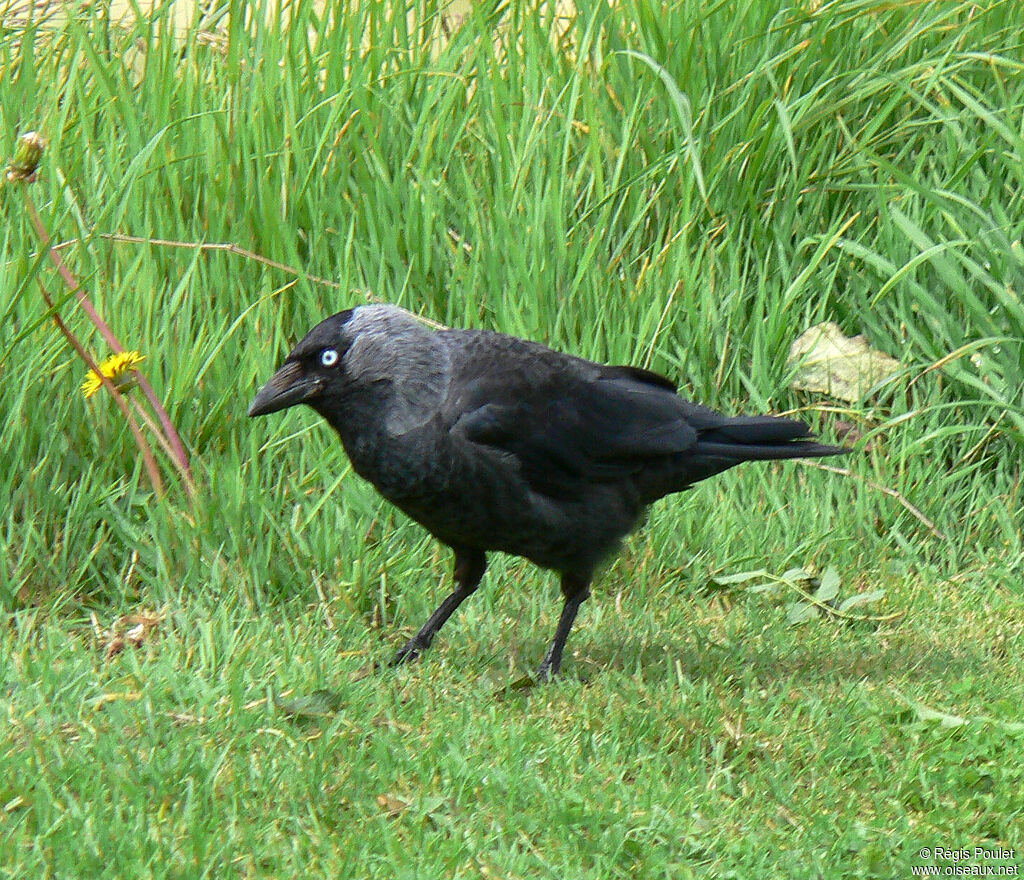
(688, 188)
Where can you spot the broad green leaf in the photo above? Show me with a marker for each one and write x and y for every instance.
(829, 587)
(860, 599)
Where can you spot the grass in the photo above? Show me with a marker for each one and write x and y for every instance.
(686, 186)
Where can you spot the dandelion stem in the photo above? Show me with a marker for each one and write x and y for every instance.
(162, 440)
(147, 453)
(176, 447)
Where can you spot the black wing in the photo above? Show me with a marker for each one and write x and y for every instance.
(576, 425)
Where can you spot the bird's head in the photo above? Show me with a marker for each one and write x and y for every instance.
(378, 349)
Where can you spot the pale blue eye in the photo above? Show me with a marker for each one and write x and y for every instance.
(328, 357)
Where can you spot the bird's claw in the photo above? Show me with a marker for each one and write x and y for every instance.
(410, 651)
(545, 673)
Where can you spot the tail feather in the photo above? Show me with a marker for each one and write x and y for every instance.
(757, 431)
(761, 438)
(726, 442)
(739, 452)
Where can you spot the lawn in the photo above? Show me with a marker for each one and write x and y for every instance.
(187, 679)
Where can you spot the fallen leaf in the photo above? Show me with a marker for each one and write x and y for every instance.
(115, 645)
(391, 805)
(116, 639)
(841, 366)
(316, 705)
(526, 683)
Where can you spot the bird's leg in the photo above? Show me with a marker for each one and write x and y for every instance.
(470, 566)
(576, 590)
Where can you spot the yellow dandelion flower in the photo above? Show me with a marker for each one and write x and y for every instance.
(118, 368)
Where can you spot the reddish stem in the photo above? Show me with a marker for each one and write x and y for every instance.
(140, 441)
(180, 456)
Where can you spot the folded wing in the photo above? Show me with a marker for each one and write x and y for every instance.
(572, 429)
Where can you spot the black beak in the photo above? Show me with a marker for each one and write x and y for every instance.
(287, 387)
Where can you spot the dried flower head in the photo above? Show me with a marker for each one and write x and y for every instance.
(27, 155)
(118, 368)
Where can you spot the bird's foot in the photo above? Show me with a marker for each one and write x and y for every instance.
(410, 651)
(546, 672)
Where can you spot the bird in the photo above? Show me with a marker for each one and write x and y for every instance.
(499, 444)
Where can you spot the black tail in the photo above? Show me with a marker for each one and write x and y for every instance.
(740, 452)
(762, 438)
(747, 438)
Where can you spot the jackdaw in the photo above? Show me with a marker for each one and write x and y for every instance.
(495, 443)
